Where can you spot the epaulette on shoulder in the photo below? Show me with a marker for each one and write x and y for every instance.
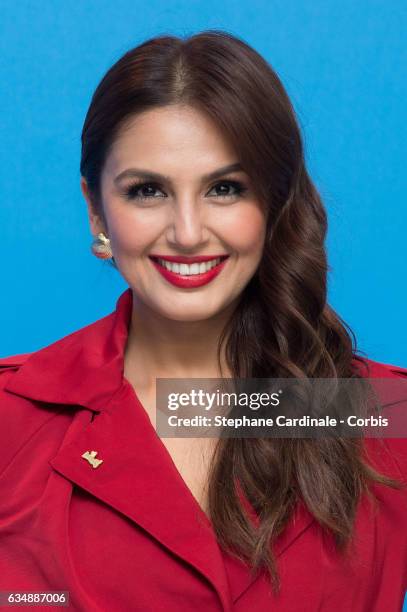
(13, 361)
(397, 370)
(369, 367)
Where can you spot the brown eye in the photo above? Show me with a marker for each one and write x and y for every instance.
(142, 191)
(228, 189)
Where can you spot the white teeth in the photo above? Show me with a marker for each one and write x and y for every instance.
(194, 268)
(189, 269)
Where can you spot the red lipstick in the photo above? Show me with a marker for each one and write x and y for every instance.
(192, 280)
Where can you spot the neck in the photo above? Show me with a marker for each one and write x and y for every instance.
(162, 348)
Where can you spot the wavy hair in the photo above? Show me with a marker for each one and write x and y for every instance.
(283, 326)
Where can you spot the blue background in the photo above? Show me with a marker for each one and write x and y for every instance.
(340, 61)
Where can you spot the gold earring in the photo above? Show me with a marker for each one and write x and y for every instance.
(101, 247)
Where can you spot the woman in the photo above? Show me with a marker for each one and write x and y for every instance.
(191, 153)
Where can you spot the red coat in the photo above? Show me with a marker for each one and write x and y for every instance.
(130, 536)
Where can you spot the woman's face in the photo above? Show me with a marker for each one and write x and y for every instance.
(182, 212)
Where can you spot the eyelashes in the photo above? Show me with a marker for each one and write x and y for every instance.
(136, 189)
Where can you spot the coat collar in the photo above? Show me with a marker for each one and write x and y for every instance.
(84, 368)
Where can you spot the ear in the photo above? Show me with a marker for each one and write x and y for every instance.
(96, 222)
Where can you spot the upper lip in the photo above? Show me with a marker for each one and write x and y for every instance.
(188, 260)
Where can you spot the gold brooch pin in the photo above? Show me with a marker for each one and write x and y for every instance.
(91, 457)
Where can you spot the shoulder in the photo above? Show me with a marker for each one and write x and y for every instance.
(19, 416)
(388, 454)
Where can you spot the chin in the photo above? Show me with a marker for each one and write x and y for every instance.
(189, 314)
(191, 317)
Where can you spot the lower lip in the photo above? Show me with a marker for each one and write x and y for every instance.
(191, 281)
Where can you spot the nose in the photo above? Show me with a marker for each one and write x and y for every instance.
(187, 227)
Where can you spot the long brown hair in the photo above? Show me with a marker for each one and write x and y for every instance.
(283, 326)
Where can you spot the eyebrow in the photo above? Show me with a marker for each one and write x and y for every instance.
(155, 176)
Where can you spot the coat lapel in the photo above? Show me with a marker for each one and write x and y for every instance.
(138, 478)
(240, 578)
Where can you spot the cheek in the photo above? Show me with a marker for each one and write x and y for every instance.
(245, 231)
(129, 232)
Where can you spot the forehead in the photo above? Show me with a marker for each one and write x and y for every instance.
(170, 136)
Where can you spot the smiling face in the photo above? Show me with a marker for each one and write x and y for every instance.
(159, 199)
